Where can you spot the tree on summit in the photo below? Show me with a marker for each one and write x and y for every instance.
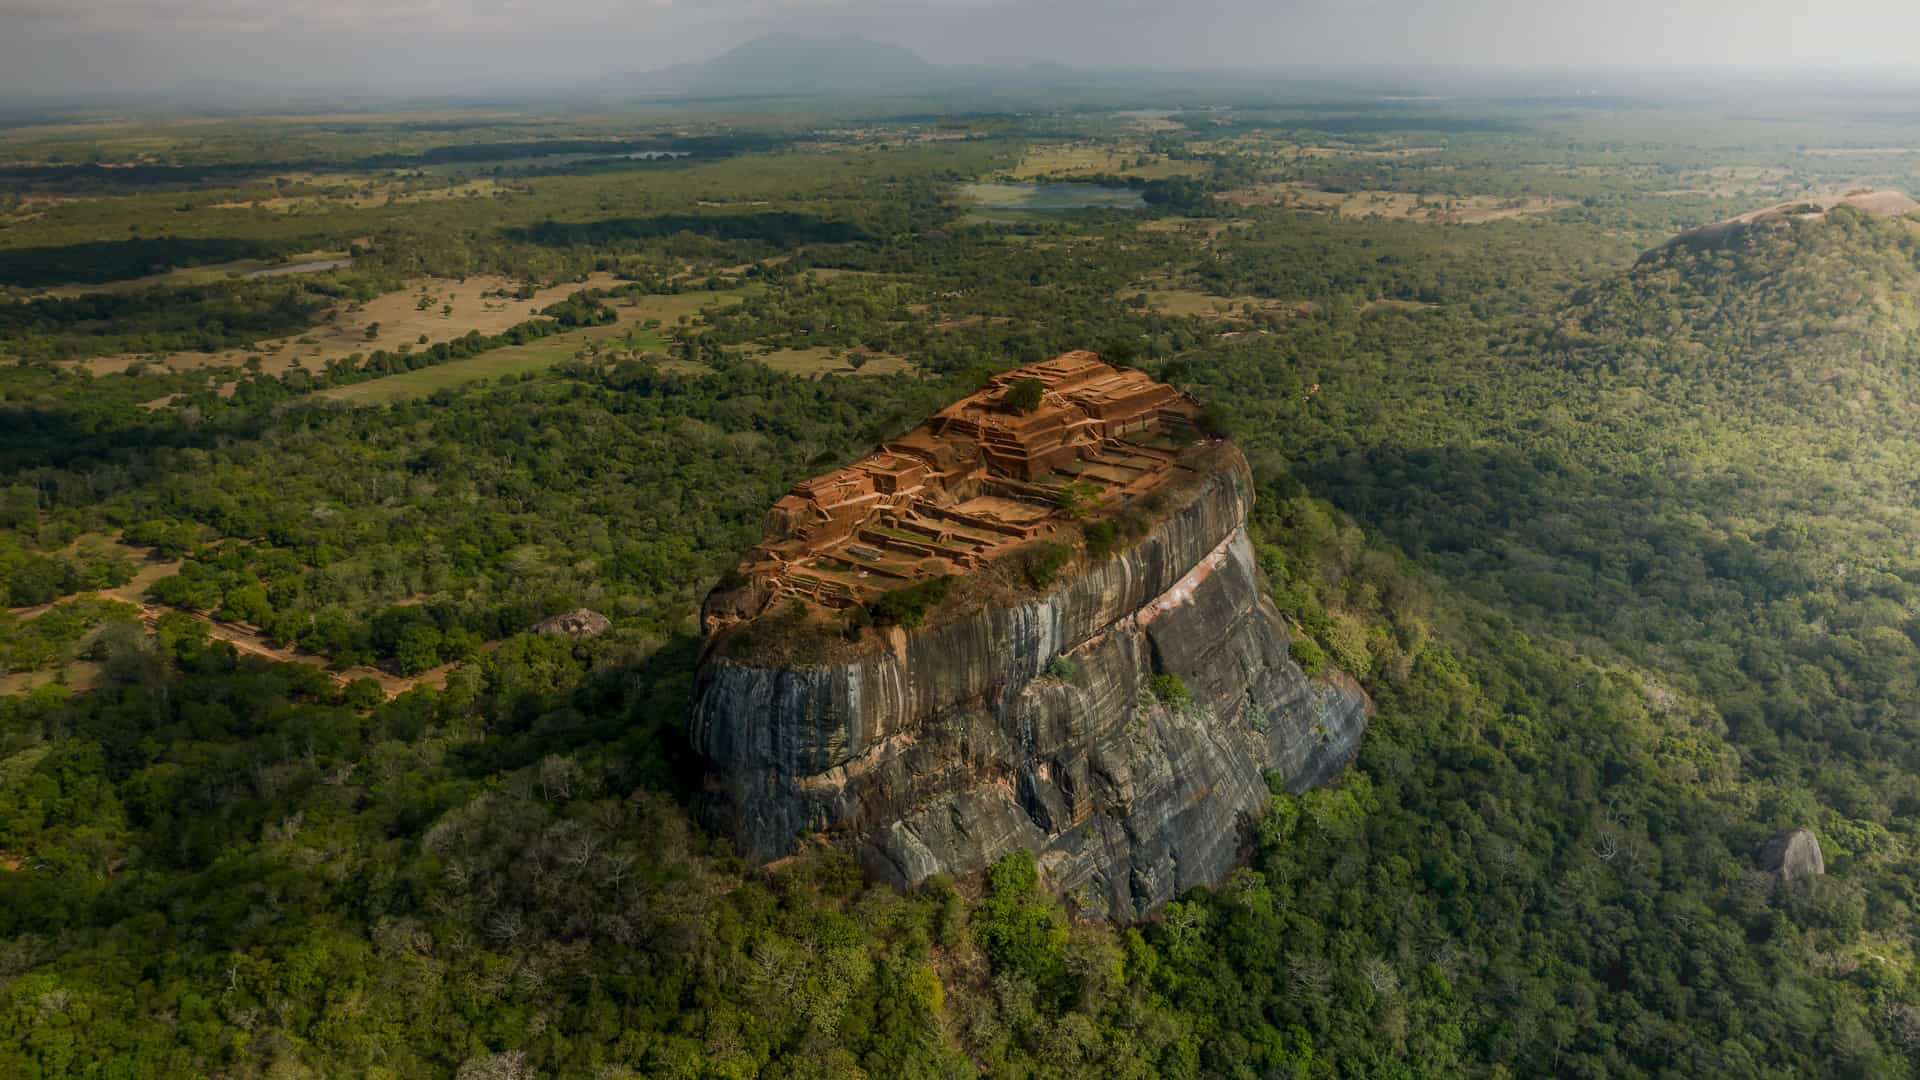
(1025, 394)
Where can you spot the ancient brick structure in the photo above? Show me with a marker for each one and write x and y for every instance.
(978, 478)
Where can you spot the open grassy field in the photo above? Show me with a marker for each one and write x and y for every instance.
(310, 262)
(76, 675)
(362, 192)
(1435, 209)
(1013, 202)
(514, 360)
(386, 322)
(808, 362)
(1207, 305)
(1095, 159)
(1269, 148)
(629, 334)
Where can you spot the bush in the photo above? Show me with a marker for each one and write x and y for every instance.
(1213, 422)
(858, 619)
(909, 606)
(1308, 653)
(1044, 562)
(39, 581)
(1079, 498)
(1024, 395)
(1103, 539)
(1171, 690)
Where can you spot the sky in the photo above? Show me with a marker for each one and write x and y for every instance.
(66, 46)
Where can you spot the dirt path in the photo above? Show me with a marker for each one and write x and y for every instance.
(247, 639)
(251, 641)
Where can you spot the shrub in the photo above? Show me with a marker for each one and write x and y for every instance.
(1078, 498)
(1025, 394)
(1213, 422)
(909, 606)
(1308, 653)
(1103, 539)
(1171, 690)
(1044, 562)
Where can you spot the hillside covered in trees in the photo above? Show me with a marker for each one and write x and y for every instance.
(1617, 533)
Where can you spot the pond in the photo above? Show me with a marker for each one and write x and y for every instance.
(1051, 197)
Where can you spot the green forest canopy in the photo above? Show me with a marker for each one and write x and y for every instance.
(1617, 544)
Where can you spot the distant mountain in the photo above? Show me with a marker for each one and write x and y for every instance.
(798, 64)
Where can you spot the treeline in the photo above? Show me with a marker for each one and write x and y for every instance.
(203, 318)
(119, 260)
(609, 486)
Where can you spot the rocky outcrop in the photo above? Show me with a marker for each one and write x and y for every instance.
(1880, 204)
(1792, 855)
(580, 624)
(1119, 726)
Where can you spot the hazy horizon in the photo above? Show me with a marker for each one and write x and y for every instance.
(71, 47)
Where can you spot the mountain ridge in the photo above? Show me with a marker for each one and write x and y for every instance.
(798, 64)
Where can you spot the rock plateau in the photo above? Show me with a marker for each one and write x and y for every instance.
(1119, 720)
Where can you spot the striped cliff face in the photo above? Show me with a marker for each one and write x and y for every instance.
(1036, 724)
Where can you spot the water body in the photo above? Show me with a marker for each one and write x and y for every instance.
(1051, 197)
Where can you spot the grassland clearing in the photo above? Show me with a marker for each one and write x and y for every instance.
(1203, 231)
(311, 262)
(1190, 302)
(389, 321)
(77, 675)
(1020, 201)
(807, 363)
(1267, 148)
(512, 360)
(1437, 209)
(630, 334)
(1095, 159)
(363, 193)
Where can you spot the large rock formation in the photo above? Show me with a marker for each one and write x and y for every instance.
(1793, 854)
(1880, 204)
(1118, 723)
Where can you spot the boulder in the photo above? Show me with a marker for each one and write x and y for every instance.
(579, 624)
(1792, 855)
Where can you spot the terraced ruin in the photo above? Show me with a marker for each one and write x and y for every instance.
(980, 477)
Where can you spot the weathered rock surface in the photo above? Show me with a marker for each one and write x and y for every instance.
(1792, 855)
(580, 624)
(1036, 726)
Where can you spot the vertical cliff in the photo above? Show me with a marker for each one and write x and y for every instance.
(1046, 722)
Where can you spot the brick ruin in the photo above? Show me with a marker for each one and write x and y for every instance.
(976, 480)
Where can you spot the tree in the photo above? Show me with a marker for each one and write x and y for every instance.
(1024, 395)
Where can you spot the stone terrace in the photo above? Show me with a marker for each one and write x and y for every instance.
(976, 480)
